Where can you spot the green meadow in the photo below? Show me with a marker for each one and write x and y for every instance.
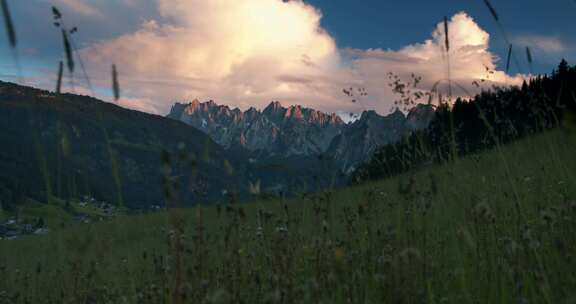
(495, 227)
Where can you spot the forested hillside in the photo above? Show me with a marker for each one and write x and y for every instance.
(486, 121)
(66, 146)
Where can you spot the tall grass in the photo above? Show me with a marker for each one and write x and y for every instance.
(496, 227)
(503, 32)
(8, 24)
(115, 83)
(59, 79)
(448, 234)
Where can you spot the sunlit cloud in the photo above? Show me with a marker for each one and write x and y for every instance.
(248, 52)
(242, 52)
(470, 65)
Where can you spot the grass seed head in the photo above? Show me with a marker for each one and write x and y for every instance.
(68, 51)
(56, 13)
(409, 256)
(492, 10)
(59, 81)
(115, 83)
(508, 58)
(528, 55)
(8, 24)
(447, 39)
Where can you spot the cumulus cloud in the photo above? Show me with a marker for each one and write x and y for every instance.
(249, 52)
(469, 60)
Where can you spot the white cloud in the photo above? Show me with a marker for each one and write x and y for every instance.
(469, 57)
(546, 44)
(249, 52)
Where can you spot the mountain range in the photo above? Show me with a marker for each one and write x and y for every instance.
(298, 131)
(62, 146)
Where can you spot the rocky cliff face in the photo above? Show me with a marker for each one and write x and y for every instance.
(294, 130)
(299, 131)
(360, 139)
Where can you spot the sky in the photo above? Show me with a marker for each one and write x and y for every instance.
(247, 53)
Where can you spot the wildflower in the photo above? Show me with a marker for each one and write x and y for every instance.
(339, 254)
(254, 187)
(360, 210)
(510, 246)
(281, 229)
(465, 234)
(572, 206)
(324, 225)
(548, 217)
(241, 213)
(484, 212)
(409, 256)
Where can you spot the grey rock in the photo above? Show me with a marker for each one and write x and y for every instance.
(277, 130)
(363, 137)
(296, 130)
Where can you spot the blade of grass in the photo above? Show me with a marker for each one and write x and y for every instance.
(492, 10)
(447, 40)
(59, 81)
(529, 57)
(502, 31)
(56, 13)
(75, 50)
(115, 84)
(508, 59)
(447, 45)
(68, 51)
(10, 31)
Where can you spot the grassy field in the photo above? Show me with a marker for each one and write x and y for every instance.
(498, 227)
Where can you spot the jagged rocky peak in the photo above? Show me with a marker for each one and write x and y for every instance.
(192, 107)
(335, 119)
(368, 115)
(274, 111)
(197, 106)
(277, 113)
(420, 116)
(189, 108)
(177, 110)
(294, 112)
(251, 111)
(397, 115)
(361, 138)
(372, 117)
(297, 130)
(280, 130)
(322, 119)
(274, 106)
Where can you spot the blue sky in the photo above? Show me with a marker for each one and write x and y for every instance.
(260, 65)
(394, 24)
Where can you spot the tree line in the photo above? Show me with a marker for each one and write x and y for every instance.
(491, 118)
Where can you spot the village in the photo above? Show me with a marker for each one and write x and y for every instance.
(88, 210)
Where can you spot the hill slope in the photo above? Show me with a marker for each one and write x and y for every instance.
(75, 145)
(497, 227)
